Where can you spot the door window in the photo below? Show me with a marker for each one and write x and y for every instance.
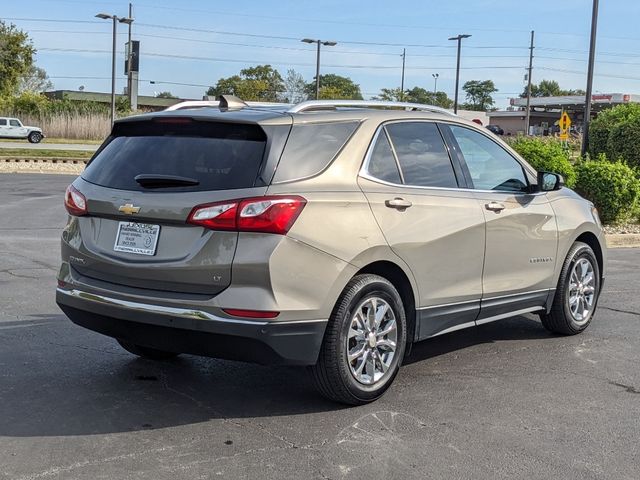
(14, 123)
(422, 155)
(3, 122)
(491, 166)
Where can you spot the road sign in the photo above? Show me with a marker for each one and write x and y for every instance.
(564, 124)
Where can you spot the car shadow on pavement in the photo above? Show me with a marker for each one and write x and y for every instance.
(56, 380)
(516, 328)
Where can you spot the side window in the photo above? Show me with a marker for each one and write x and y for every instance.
(422, 155)
(14, 123)
(491, 166)
(3, 122)
(382, 163)
(311, 147)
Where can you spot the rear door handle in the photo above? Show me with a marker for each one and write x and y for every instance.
(398, 203)
(495, 206)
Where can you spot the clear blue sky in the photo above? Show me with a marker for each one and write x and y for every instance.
(217, 39)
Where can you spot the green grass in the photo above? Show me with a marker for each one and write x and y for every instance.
(29, 153)
(70, 141)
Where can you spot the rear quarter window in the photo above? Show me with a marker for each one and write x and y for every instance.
(311, 148)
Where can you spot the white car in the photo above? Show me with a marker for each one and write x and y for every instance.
(13, 128)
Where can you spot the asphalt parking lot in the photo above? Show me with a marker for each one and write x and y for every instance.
(505, 400)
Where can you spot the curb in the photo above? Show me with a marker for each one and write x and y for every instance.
(42, 165)
(45, 160)
(623, 240)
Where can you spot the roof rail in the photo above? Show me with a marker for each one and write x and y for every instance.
(332, 104)
(192, 104)
(189, 104)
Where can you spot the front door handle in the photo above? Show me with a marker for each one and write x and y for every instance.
(495, 206)
(398, 203)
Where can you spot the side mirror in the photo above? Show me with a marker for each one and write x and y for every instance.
(548, 182)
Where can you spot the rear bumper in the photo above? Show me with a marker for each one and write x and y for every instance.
(194, 331)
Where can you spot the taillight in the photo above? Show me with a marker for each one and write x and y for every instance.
(273, 214)
(250, 313)
(74, 202)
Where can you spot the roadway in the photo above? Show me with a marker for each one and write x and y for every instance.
(49, 146)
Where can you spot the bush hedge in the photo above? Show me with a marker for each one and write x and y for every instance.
(546, 154)
(616, 133)
(613, 187)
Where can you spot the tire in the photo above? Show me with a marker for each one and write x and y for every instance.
(334, 375)
(566, 316)
(34, 137)
(146, 352)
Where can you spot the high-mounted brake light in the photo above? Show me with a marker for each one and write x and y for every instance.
(272, 214)
(74, 202)
(174, 120)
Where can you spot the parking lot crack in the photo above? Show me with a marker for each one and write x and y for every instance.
(628, 388)
(619, 310)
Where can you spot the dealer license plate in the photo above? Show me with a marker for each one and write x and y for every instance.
(140, 238)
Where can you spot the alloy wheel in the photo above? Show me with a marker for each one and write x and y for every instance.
(372, 340)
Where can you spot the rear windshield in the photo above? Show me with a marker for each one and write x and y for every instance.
(219, 156)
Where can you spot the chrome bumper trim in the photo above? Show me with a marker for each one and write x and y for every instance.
(174, 311)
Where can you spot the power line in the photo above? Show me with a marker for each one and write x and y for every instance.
(236, 60)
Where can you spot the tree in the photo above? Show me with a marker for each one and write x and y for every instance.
(36, 80)
(390, 95)
(420, 95)
(16, 58)
(415, 95)
(479, 94)
(165, 95)
(294, 88)
(549, 88)
(335, 87)
(259, 83)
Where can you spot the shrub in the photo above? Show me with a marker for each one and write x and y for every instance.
(613, 187)
(546, 155)
(624, 141)
(616, 133)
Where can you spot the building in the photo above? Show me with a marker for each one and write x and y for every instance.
(546, 111)
(144, 102)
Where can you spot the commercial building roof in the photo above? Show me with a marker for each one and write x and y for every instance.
(577, 102)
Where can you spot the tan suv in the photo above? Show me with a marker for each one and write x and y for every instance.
(331, 234)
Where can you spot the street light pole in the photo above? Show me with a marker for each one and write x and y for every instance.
(435, 82)
(115, 20)
(592, 57)
(459, 40)
(318, 42)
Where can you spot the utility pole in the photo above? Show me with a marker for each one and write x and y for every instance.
(404, 56)
(528, 121)
(459, 40)
(435, 82)
(592, 57)
(318, 42)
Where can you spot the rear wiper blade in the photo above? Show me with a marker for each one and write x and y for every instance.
(152, 180)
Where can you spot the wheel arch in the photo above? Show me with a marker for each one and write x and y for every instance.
(590, 239)
(400, 280)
